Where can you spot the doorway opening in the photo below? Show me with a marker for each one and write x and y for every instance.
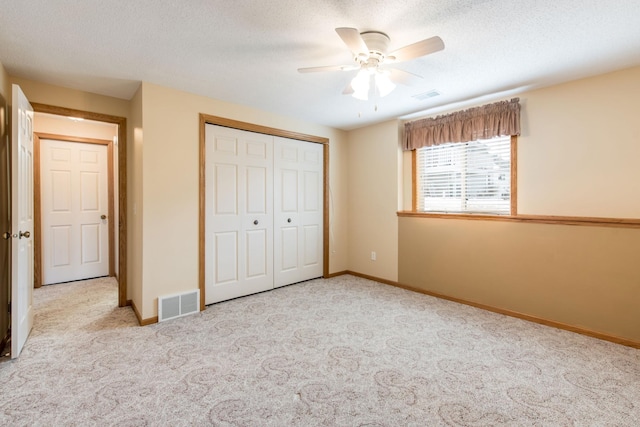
(118, 231)
(74, 200)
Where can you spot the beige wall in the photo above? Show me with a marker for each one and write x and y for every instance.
(577, 142)
(577, 156)
(339, 202)
(579, 149)
(134, 205)
(43, 93)
(60, 125)
(170, 194)
(374, 167)
(587, 277)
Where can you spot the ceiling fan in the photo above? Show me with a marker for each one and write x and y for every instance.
(370, 55)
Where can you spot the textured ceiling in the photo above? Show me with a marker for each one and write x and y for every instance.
(247, 51)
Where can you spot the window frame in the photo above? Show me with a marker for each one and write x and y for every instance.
(513, 196)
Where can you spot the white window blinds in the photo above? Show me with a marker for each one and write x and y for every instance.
(470, 177)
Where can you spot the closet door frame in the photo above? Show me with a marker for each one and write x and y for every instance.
(221, 121)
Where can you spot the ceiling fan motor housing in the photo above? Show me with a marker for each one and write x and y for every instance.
(377, 42)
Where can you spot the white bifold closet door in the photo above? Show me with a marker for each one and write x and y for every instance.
(257, 186)
(239, 213)
(298, 207)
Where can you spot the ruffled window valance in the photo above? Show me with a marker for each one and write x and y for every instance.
(488, 121)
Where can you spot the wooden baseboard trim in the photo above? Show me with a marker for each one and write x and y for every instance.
(141, 321)
(375, 279)
(510, 313)
(339, 273)
(149, 321)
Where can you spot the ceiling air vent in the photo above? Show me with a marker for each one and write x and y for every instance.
(426, 95)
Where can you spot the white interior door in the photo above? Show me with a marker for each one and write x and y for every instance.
(21, 221)
(238, 213)
(298, 217)
(74, 200)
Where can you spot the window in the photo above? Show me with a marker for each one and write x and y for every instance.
(465, 177)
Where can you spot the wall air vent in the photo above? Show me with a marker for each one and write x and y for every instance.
(426, 95)
(178, 305)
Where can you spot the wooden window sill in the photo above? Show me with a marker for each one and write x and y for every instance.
(537, 219)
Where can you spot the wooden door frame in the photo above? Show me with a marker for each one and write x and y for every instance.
(235, 124)
(37, 192)
(121, 122)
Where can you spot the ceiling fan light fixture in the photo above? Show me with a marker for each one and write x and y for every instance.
(384, 84)
(360, 85)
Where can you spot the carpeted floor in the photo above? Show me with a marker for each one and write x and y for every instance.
(339, 352)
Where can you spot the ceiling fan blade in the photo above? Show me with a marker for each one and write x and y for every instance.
(416, 50)
(351, 37)
(404, 77)
(328, 68)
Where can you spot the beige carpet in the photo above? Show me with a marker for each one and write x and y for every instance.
(338, 352)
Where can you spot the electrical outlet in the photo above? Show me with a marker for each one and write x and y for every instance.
(373, 256)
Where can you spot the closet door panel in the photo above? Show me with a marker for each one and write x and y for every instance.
(289, 248)
(256, 254)
(312, 246)
(256, 190)
(226, 252)
(288, 190)
(298, 216)
(226, 191)
(312, 189)
(238, 213)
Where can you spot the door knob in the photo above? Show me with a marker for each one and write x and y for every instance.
(255, 222)
(288, 219)
(6, 235)
(25, 234)
(103, 217)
